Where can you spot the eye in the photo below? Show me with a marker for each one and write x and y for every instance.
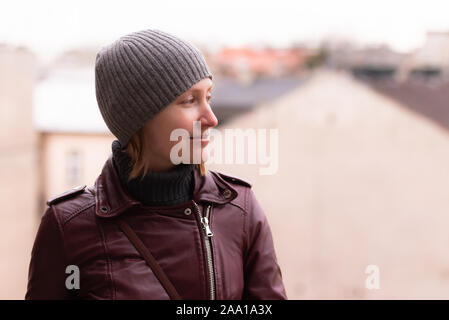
(191, 100)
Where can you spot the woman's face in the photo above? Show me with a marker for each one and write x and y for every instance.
(192, 105)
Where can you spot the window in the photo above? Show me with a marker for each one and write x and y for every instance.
(73, 168)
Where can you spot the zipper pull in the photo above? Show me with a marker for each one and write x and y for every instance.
(205, 223)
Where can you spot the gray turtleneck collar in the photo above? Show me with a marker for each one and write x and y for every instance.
(157, 188)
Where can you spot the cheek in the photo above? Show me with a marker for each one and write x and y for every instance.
(160, 131)
(182, 120)
(161, 137)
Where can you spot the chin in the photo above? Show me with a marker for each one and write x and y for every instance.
(204, 155)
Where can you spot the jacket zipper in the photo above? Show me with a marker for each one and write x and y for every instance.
(207, 241)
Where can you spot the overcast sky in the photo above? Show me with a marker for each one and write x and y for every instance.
(50, 26)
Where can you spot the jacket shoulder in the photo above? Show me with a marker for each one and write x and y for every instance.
(71, 203)
(235, 188)
(66, 195)
(234, 180)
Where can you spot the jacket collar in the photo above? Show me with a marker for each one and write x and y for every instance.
(111, 198)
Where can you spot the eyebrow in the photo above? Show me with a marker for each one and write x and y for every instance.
(211, 87)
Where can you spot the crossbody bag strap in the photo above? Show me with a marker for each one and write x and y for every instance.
(151, 261)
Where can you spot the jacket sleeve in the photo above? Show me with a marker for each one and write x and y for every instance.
(263, 277)
(46, 274)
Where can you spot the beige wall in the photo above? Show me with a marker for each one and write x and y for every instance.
(18, 169)
(94, 149)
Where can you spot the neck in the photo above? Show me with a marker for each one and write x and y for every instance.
(157, 188)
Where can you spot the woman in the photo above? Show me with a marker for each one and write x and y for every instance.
(150, 229)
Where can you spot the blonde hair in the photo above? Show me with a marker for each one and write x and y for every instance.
(136, 151)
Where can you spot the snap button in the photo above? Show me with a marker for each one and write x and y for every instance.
(187, 211)
(104, 209)
(227, 193)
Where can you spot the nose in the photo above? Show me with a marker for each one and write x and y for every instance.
(208, 118)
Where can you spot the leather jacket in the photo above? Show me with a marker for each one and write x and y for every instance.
(230, 257)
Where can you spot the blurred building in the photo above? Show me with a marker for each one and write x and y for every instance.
(74, 140)
(247, 63)
(19, 169)
(431, 61)
(425, 95)
(362, 182)
(231, 98)
(373, 63)
(419, 80)
(52, 138)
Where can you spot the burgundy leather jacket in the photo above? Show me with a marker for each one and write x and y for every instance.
(231, 257)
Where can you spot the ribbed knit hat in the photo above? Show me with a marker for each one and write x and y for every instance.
(140, 74)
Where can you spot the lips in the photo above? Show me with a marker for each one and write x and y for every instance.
(204, 136)
(204, 140)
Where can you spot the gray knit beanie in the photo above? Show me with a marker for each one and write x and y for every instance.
(141, 73)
